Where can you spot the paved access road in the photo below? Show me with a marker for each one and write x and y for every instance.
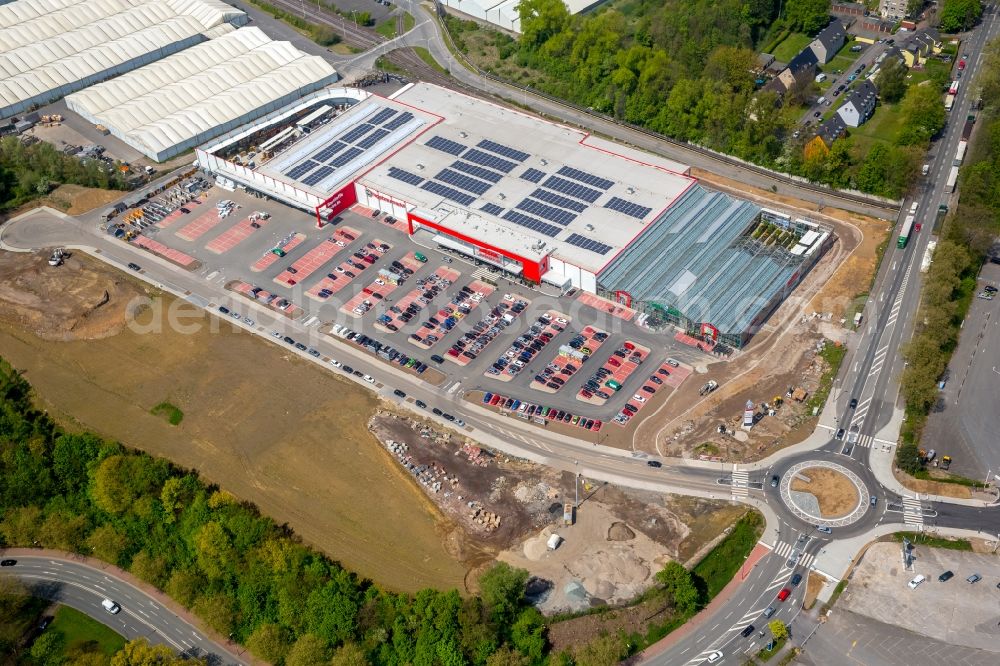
(83, 587)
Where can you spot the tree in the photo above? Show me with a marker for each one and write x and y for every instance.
(809, 16)
(20, 525)
(679, 584)
(958, 15)
(121, 480)
(48, 648)
(507, 657)
(140, 653)
(309, 650)
(914, 7)
(989, 74)
(150, 568)
(908, 458)
(268, 642)
(891, 81)
(540, 20)
(184, 586)
(606, 650)
(107, 543)
(528, 634)
(64, 531)
(502, 588)
(778, 629)
(218, 611)
(213, 550)
(923, 116)
(349, 654)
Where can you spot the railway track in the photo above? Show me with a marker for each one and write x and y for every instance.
(364, 38)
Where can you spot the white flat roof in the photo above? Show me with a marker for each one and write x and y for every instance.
(584, 198)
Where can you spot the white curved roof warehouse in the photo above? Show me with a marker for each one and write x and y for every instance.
(50, 48)
(185, 99)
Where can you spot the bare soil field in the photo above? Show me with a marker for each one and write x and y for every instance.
(933, 487)
(781, 355)
(836, 494)
(277, 431)
(74, 199)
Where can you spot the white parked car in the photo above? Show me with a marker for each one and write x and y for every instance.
(369, 379)
(335, 363)
(913, 584)
(638, 398)
(111, 606)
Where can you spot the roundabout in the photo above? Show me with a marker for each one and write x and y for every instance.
(824, 493)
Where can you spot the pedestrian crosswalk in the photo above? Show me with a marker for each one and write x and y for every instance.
(913, 511)
(741, 482)
(866, 441)
(784, 549)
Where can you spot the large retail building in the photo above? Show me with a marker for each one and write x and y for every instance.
(544, 202)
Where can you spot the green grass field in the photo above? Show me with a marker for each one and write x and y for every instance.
(883, 127)
(792, 44)
(84, 634)
(170, 412)
(426, 56)
(722, 562)
(387, 28)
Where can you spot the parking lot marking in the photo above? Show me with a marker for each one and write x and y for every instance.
(569, 360)
(365, 300)
(235, 234)
(168, 253)
(200, 226)
(521, 352)
(461, 306)
(283, 247)
(604, 305)
(308, 263)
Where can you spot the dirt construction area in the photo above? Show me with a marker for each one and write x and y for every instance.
(783, 355)
(836, 494)
(511, 508)
(954, 611)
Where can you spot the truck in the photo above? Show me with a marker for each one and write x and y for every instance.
(709, 386)
(567, 513)
(949, 186)
(960, 153)
(925, 262)
(904, 233)
(953, 89)
(949, 101)
(945, 462)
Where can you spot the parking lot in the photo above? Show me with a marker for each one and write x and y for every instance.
(476, 330)
(954, 611)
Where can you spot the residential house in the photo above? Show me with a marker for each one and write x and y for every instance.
(892, 10)
(764, 61)
(828, 42)
(920, 46)
(831, 129)
(873, 26)
(802, 67)
(859, 105)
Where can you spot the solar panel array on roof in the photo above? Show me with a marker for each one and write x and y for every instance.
(533, 175)
(448, 192)
(492, 209)
(588, 244)
(318, 175)
(501, 149)
(464, 182)
(405, 176)
(446, 145)
(477, 171)
(329, 151)
(584, 177)
(557, 200)
(301, 168)
(551, 213)
(383, 116)
(627, 207)
(532, 223)
(346, 157)
(572, 189)
(399, 121)
(487, 160)
(373, 138)
(357, 133)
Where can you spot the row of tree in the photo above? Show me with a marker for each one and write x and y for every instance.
(685, 69)
(239, 572)
(28, 172)
(967, 238)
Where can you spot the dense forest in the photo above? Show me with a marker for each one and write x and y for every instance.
(28, 172)
(968, 237)
(237, 570)
(685, 69)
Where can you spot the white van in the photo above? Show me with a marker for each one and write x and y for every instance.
(821, 101)
(111, 606)
(917, 581)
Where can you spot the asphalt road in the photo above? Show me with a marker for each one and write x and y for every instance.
(83, 587)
